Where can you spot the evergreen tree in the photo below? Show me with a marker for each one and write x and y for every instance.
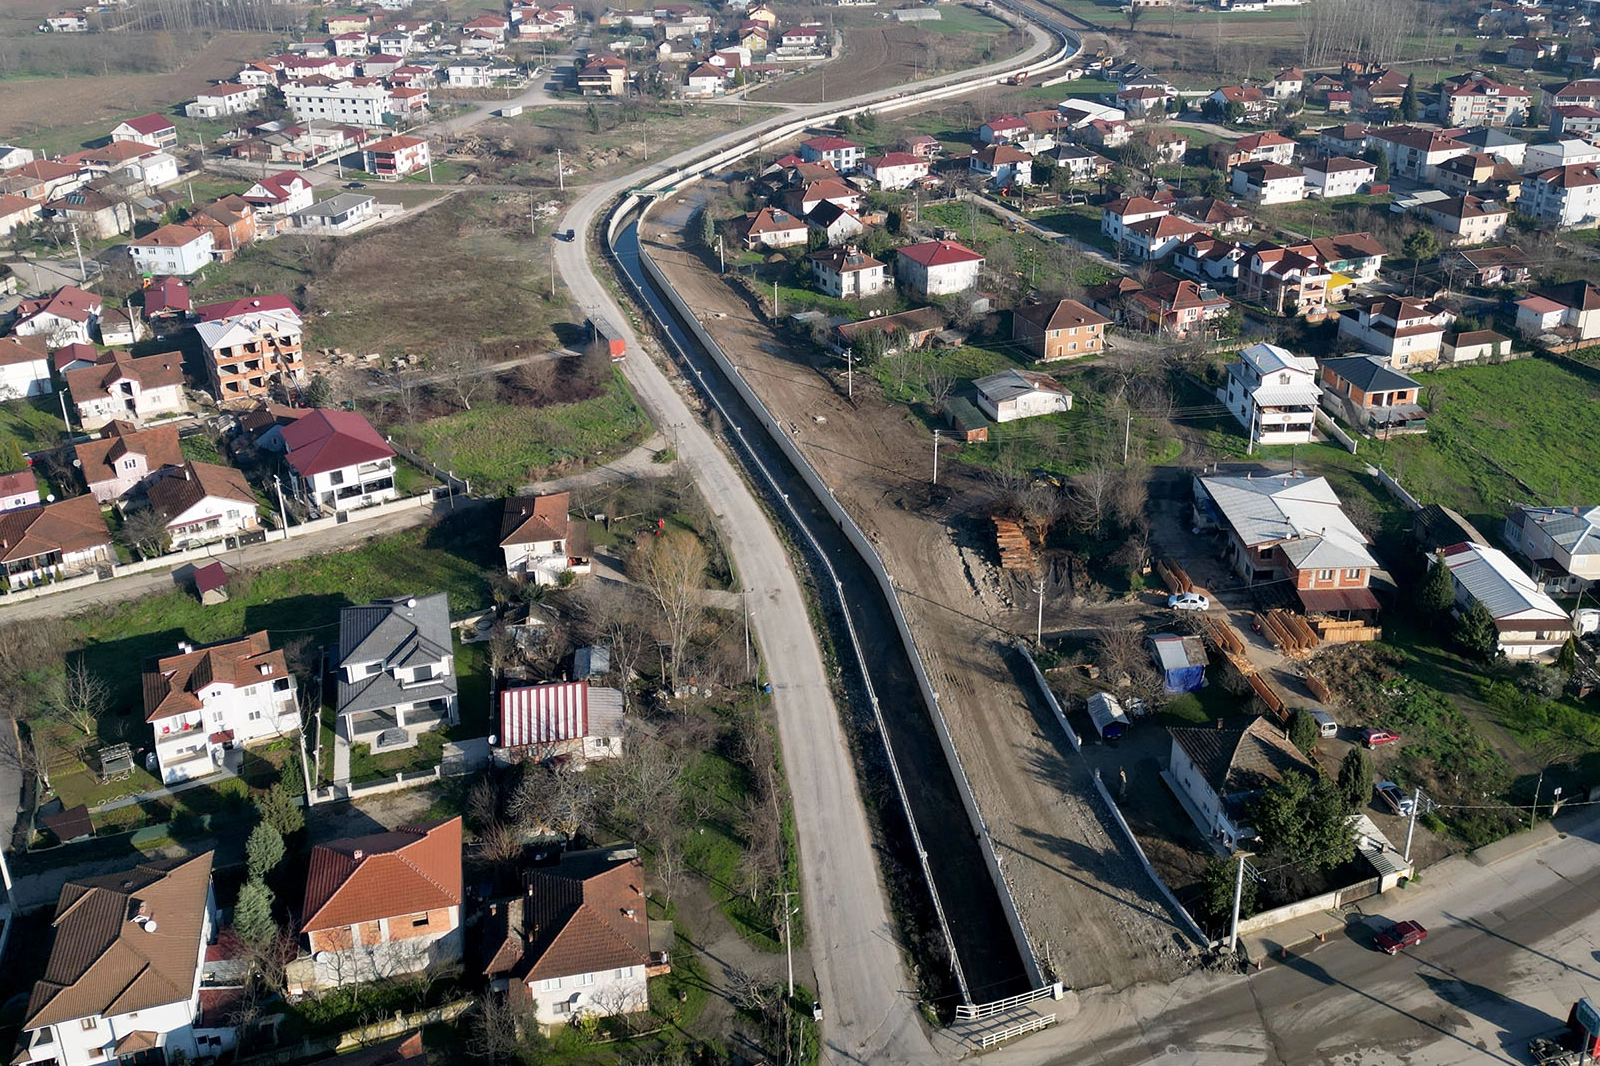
(1303, 729)
(320, 392)
(1355, 778)
(1477, 635)
(1438, 592)
(252, 918)
(1408, 100)
(708, 227)
(263, 851)
(1303, 821)
(1422, 245)
(11, 457)
(1380, 163)
(1216, 887)
(280, 809)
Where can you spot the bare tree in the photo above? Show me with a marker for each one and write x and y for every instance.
(406, 386)
(463, 369)
(611, 615)
(671, 568)
(78, 698)
(495, 1033)
(940, 383)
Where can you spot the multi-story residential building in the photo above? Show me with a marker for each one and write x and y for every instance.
(394, 157)
(845, 156)
(1564, 197)
(122, 981)
(396, 669)
(1405, 332)
(1175, 307)
(1476, 100)
(1292, 529)
(1481, 174)
(1268, 183)
(126, 458)
(1157, 238)
(1287, 280)
(1209, 258)
(249, 345)
(1468, 219)
(173, 249)
(53, 541)
(205, 701)
(67, 316)
(225, 99)
(1562, 543)
(1348, 140)
(1288, 82)
(540, 539)
(1118, 215)
(1571, 152)
(1574, 120)
(1414, 152)
(120, 386)
(1003, 130)
(358, 101)
(896, 170)
(1001, 165)
(1273, 393)
(338, 461)
(152, 129)
(1496, 142)
(1254, 148)
(1337, 176)
(1217, 216)
(771, 227)
(1527, 622)
(848, 273)
(936, 268)
(281, 194)
(1059, 329)
(381, 906)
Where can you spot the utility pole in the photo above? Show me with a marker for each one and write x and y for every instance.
(722, 260)
(283, 512)
(936, 457)
(774, 301)
(745, 601)
(1534, 810)
(788, 913)
(1411, 826)
(430, 168)
(533, 220)
(1238, 894)
(850, 380)
(83, 273)
(561, 177)
(61, 394)
(1038, 629)
(1127, 434)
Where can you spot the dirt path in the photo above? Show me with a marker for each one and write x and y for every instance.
(1088, 907)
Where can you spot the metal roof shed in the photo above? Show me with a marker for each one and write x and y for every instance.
(1182, 661)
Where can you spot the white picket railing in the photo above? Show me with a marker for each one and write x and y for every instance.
(971, 1011)
(1011, 1032)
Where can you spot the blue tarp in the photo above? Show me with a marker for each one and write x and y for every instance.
(1181, 661)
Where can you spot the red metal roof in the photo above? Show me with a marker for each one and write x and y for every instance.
(244, 306)
(939, 253)
(544, 714)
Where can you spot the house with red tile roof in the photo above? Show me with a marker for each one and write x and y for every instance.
(771, 227)
(394, 157)
(122, 982)
(118, 385)
(1176, 307)
(203, 702)
(62, 539)
(24, 367)
(1266, 147)
(18, 211)
(1062, 329)
(895, 170)
(536, 536)
(936, 268)
(845, 156)
(338, 461)
(204, 503)
(125, 458)
(151, 129)
(172, 249)
(282, 194)
(18, 490)
(382, 905)
(576, 942)
(66, 316)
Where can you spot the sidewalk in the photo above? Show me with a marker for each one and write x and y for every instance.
(230, 768)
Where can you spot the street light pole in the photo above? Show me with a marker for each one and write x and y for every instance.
(1038, 630)
(936, 457)
(1411, 826)
(1238, 894)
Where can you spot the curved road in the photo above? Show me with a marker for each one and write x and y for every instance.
(871, 1007)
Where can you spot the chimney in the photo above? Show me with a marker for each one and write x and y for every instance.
(358, 855)
(185, 648)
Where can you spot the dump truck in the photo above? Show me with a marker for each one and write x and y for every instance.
(1576, 1043)
(1109, 719)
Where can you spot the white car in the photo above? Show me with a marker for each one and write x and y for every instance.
(1188, 601)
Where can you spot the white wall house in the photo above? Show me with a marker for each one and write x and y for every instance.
(1566, 196)
(1014, 394)
(1563, 544)
(124, 387)
(225, 99)
(896, 170)
(1268, 183)
(358, 101)
(338, 461)
(935, 268)
(24, 368)
(1529, 623)
(396, 671)
(1273, 393)
(102, 924)
(204, 503)
(1338, 176)
(1405, 332)
(201, 702)
(536, 538)
(180, 251)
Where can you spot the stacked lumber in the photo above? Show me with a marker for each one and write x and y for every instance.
(1016, 553)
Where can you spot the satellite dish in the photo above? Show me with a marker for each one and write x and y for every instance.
(494, 741)
(150, 926)
(50, 498)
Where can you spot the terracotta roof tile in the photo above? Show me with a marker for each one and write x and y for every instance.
(407, 871)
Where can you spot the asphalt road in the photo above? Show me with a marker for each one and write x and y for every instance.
(870, 1009)
(1510, 948)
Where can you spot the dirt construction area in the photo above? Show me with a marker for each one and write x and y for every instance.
(1093, 916)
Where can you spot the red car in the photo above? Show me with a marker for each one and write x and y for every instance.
(1373, 737)
(1401, 936)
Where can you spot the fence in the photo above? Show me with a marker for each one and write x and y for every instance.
(1335, 432)
(1011, 1032)
(457, 484)
(1050, 698)
(1328, 901)
(458, 760)
(1190, 925)
(1388, 481)
(971, 1012)
(1173, 576)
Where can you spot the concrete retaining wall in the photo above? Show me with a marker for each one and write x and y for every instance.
(1328, 901)
(1333, 430)
(1190, 926)
(1387, 481)
(1050, 698)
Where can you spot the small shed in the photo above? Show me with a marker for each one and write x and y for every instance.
(1181, 660)
(70, 825)
(966, 420)
(591, 661)
(211, 584)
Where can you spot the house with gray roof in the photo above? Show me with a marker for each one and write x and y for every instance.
(1215, 773)
(396, 671)
(1289, 530)
(1562, 543)
(1362, 391)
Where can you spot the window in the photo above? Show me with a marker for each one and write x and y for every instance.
(624, 972)
(419, 921)
(584, 980)
(89, 1024)
(129, 464)
(1324, 575)
(550, 984)
(254, 716)
(1353, 574)
(336, 477)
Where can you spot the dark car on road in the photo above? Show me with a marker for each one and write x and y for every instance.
(1401, 936)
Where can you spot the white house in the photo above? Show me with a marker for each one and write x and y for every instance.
(935, 268)
(204, 503)
(181, 251)
(848, 273)
(1530, 624)
(53, 541)
(1268, 183)
(24, 367)
(18, 490)
(344, 213)
(120, 386)
(536, 536)
(1273, 393)
(281, 194)
(570, 719)
(1563, 543)
(150, 926)
(147, 129)
(1570, 152)
(338, 461)
(125, 458)
(576, 942)
(1118, 215)
(1564, 196)
(845, 156)
(226, 99)
(202, 702)
(896, 170)
(394, 157)
(67, 316)
(1405, 332)
(1002, 165)
(358, 101)
(1338, 176)
(1014, 394)
(396, 668)
(705, 80)
(1571, 310)
(1215, 773)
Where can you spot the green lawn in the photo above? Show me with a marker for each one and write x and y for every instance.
(1342, 215)
(498, 447)
(1081, 222)
(201, 448)
(365, 766)
(35, 423)
(963, 21)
